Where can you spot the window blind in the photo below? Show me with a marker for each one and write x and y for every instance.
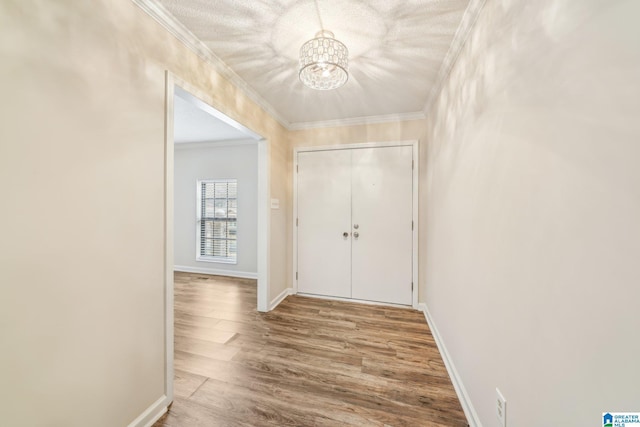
(218, 213)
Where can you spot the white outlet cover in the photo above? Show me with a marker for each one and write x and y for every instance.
(501, 408)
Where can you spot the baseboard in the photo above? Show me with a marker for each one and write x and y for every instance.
(465, 401)
(216, 271)
(152, 413)
(277, 300)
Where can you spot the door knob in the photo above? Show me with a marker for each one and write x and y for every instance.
(356, 234)
(356, 226)
(345, 234)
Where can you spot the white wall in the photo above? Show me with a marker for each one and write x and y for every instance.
(222, 160)
(533, 211)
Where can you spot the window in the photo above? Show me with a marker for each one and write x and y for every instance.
(217, 220)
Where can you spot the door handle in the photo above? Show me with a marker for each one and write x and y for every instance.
(356, 234)
(345, 234)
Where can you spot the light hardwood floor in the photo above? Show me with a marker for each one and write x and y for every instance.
(309, 362)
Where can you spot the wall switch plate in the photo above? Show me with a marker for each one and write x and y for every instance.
(275, 203)
(501, 408)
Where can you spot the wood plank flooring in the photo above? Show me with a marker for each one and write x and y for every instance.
(309, 362)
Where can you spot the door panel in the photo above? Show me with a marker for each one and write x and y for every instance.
(324, 212)
(382, 207)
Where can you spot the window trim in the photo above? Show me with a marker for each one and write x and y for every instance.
(209, 258)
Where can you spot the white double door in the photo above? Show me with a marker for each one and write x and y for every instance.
(355, 212)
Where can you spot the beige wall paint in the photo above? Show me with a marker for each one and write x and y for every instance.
(81, 224)
(533, 190)
(280, 218)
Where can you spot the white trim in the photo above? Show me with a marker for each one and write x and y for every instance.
(152, 413)
(214, 144)
(215, 259)
(414, 144)
(294, 224)
(463, 396)
(168, 235)
(277, 300)
(415, 262)
(216, 271)
(460, 38)
(264, 224)
(162, 16)
(354, 121)
(297, 150)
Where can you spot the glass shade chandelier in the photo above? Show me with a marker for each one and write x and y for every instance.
(324, 61)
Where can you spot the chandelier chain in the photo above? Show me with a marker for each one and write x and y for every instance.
(319, 16)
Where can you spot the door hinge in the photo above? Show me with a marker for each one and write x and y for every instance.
(297, 168)
(412, 164)
(412, 225)
(296, 275)
(296, 222)
(411, 286)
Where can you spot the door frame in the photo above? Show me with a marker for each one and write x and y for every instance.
(415, 175)
(264, 214)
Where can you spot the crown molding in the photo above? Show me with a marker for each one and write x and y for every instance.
(355, 121)
(461, 36)
(161, 15)
(214, 144)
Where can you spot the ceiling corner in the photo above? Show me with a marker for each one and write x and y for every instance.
(459, 39)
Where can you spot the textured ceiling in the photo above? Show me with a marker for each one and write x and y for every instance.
(396, 50)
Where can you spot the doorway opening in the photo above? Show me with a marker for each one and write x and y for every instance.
(216, 193)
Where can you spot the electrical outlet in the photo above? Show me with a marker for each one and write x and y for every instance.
(501, 408)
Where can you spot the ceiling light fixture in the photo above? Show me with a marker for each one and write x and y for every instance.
(324, 61)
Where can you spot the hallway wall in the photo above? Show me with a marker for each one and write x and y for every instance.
(533, 207)
(82, 218)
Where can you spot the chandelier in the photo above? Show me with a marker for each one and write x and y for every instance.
(324, 61)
